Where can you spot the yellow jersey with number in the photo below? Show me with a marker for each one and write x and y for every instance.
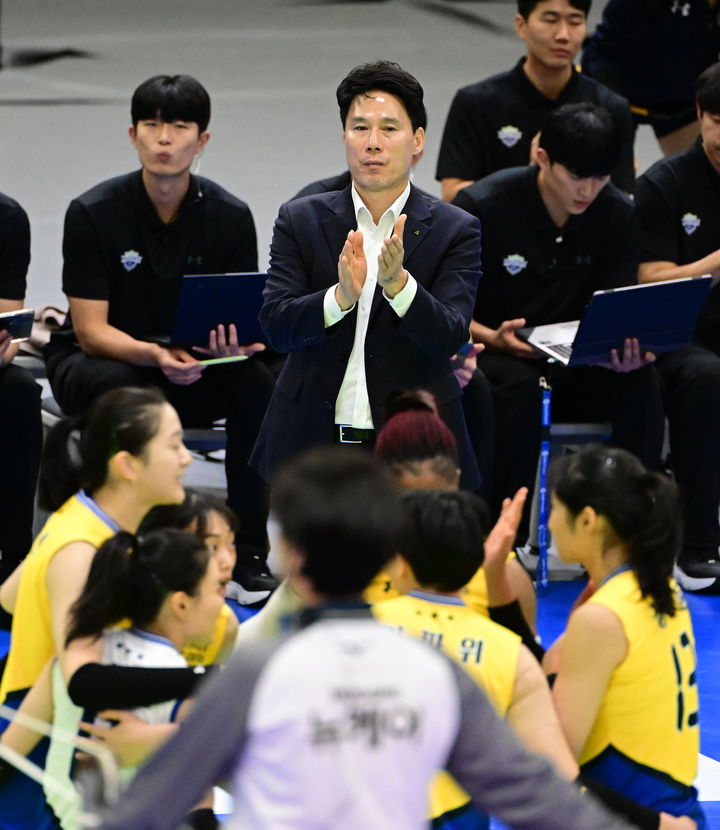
(646, 735)
(488, 651)
(31, 641)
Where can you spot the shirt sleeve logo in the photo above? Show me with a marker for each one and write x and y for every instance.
(130, 259)
(690, 223)
(509, 135)
(514, 263)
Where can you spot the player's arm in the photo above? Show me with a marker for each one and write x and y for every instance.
(593, 645)
(460, 160)
(9, 590)
(658, 271)
(503, 339)
(37, 703)
(533, 717)
(97, 338)
(451, 185)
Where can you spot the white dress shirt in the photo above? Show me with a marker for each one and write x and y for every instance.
(352, 407)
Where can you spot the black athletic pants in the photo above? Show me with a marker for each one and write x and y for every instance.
(20, 449)
(691, 378)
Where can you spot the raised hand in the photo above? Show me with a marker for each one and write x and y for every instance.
(352, 271)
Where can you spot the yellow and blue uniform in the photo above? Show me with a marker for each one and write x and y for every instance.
(80, 519)
(645, 740)
(31, 643)
(488, 652)
(203, 654)
(474, 594)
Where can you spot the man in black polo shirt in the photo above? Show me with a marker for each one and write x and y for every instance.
(678, 204)
(552, 235)
(491, 124)
(20, 422)
(127, 243)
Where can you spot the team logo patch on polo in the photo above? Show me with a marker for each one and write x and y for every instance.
(690, 223)
(514, 263)
(509, 135)
(130, 259)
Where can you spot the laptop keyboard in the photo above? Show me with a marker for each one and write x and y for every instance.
(564, 349)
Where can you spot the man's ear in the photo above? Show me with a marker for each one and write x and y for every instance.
(542, 158)
(418, 145)
(203, 139)
(133, 135)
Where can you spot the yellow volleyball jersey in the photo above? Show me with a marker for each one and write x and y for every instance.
(203, 654)
(474, 593)
(488, 652)
(649, 713)
(31, 642)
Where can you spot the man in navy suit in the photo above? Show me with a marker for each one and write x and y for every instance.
(370, 288)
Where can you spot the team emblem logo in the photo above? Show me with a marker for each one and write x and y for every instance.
(130, 259)
(690, 223)
(509, 135)
(514, 263)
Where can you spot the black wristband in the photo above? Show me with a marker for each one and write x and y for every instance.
(97, 687)
(643, 817)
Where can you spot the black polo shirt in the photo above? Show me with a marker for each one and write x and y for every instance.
(14, 249)
(532, 268)
(655, 49)
(678, 205)
(116, 248)
(491, 124)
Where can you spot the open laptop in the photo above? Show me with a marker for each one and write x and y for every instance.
(661, 315)
(207, 300)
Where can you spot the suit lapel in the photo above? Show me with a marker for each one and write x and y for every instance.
(418, 223)
(338, 224)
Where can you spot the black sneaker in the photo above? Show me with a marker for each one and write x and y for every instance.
(252, 582)
(698, 574)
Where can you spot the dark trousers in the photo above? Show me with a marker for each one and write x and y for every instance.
(20, 449)
(691, 378)
(237, 391)
(479, 408)
(631, 402)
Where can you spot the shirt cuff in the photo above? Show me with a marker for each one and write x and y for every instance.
(402, 301)
(332, 313)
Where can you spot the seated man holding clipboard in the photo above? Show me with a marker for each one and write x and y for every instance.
(127, 244)
(552, 235)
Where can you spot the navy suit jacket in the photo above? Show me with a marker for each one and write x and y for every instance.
(442, 252)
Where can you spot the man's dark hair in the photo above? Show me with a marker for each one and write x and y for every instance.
(340, 509)
(583, 137)
(171, 98)
(707, 90)
(443, 537)
(526, 7)
(385, 76)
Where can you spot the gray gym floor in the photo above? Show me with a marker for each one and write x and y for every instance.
(271, 67)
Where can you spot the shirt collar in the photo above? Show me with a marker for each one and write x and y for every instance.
(84, 498)
(363, 214)
(533, 95)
